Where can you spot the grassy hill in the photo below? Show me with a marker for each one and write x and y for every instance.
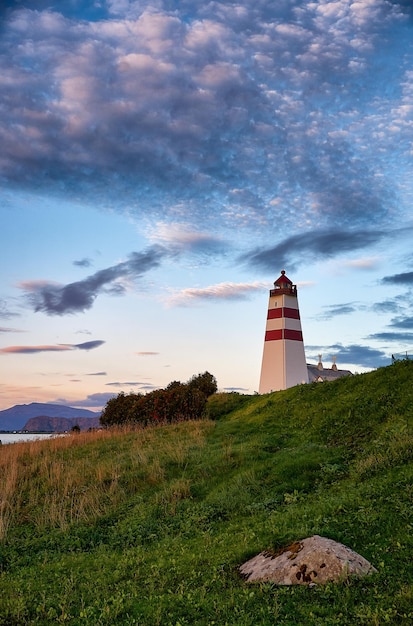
(149, 526)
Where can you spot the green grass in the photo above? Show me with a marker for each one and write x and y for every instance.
(149, 526)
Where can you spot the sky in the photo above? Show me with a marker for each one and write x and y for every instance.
(161, 162)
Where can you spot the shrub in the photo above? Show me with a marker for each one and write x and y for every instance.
(179, 401)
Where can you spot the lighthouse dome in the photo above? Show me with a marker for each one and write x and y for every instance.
(283, 282)
(284, 285)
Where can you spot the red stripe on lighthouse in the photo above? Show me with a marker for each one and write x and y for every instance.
(293, 314)
(273, 335)
(295, 335)
(283, 311)
(283, 333)
(274, 314)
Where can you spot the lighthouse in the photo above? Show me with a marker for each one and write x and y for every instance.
(283, 361)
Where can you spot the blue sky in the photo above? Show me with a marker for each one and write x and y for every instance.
(162, 161)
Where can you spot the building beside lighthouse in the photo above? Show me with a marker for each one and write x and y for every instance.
(283, 361)
(319, 374)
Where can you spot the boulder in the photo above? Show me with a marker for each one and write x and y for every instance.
(315, 560)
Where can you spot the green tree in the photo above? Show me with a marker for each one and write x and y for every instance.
(119, 410)
(177, 402)
(206, 383)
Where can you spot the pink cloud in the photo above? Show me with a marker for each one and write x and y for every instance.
(146, 353)
(61, 347)
(34, 349)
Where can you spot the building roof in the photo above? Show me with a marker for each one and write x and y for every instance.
(316, 375)
(319, 373)
(283, 285)
(283, 280)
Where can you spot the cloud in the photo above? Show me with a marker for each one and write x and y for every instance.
(405, 337)
(141, 386)
(83, 263)
(88, 345)
(127, 383)
(94, 400)
(147, 353)
(359, 355)
(97, 374)
(364, 263)
(4, 329)
(404, 321)
(79, 296)
(220, 292)
(405, 278)
(62, 347)
(5, 312)
(390, 305)
(183, 237)
(387, 306)
(310, 246)
(35, 349)
(250, 106)
(339, 309)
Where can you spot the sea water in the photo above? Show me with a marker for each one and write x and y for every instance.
(16, 437)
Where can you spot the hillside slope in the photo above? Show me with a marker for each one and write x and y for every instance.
(150, 526)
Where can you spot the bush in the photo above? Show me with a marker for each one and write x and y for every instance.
(179, 401)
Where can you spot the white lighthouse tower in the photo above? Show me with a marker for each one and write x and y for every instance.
(283, 361)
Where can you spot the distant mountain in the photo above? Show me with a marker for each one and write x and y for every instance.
(45, 424)
(17, 416)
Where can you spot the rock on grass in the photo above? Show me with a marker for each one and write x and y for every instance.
(315, 560)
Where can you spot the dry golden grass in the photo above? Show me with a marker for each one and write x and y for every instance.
(77, 477)
(179, 489)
